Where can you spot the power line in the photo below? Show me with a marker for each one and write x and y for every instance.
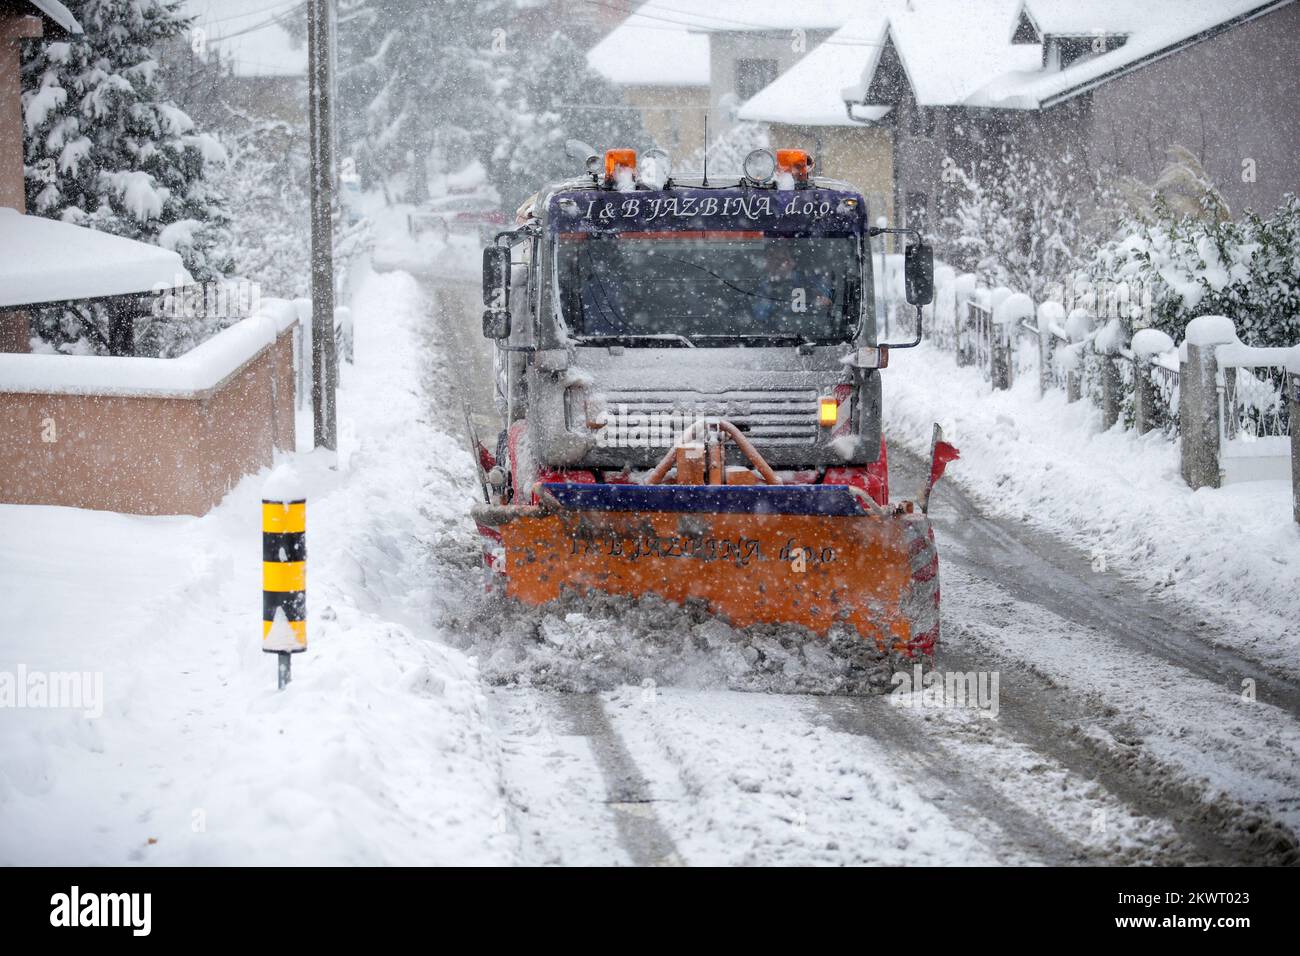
(719, 24)
(247, 13)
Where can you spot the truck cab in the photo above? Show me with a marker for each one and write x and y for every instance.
(629, 309)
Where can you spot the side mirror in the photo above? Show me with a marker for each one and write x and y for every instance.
(496, 324)
(496, 277)
(918, 273)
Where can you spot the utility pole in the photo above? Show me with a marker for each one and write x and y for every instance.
(325, 370)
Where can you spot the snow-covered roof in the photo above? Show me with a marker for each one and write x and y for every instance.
(959, 53)
(251, 35)
(58, 13)
(948, 48)
(45, 260)
(665, 42)
(1152, 28)
(813, 91)
(648, 51)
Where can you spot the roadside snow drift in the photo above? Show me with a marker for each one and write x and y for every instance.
(1232, 552)
(374, 754)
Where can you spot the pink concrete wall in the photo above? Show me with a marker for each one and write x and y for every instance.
(147, 455)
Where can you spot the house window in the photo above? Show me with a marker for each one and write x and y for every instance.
(752, 76)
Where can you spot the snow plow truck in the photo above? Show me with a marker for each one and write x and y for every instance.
(689, 375)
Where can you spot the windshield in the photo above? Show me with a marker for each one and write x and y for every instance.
(708, 288)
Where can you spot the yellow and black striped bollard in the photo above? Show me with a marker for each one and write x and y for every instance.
(284, 580)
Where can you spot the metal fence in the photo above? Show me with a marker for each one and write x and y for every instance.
(1237, 406)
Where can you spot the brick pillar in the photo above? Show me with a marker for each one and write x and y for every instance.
(14, 28)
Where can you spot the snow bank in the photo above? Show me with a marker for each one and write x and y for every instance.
(197, 371)
(376, 753)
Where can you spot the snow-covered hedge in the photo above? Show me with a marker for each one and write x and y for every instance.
(1247, 270)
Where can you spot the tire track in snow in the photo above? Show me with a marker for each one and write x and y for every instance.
(629, 796)
(761, 779)
(575, 795)
(1225, 772)
(1038, 569)
(616, 791)
(970, 802)
(1003, 577)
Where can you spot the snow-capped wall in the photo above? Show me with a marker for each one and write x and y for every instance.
(144, 435)
(190, 375)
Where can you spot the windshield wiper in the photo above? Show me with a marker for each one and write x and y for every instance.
(638, 337)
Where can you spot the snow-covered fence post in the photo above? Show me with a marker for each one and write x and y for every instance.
(1106, 344)
(964, 318)
(1008, 312)
(1198, 407)
(1147, 344)
(1077, 328)
(284, 569)
(1051, 316)
(1293, 370)
(1000, 357)
(965, 323)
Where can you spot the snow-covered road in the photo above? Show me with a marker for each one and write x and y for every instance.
(430, 723)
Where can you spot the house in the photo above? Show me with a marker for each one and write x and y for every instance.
(678, 60)
(663, 71)
(585, 22)
(1103, 86)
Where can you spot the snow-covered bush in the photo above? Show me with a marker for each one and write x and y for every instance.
(727, 152)
(1248, 270)
(1017, 222)
(104, 148)
(425, 88)
(270, 206)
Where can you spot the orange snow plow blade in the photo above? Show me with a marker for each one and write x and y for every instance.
(803, 555)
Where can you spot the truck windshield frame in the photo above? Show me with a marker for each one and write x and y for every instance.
(709, 287)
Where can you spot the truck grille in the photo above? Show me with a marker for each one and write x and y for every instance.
(785, 416)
